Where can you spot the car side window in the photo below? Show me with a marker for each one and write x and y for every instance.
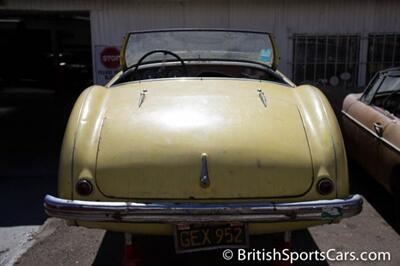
(388, 95)
(390, 84)
(372, 88)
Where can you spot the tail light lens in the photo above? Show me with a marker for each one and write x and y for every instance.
(325, 186)
(84, 187)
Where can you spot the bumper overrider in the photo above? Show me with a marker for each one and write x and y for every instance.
(168, 212)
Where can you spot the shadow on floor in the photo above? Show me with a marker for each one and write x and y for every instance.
(159, 250)
(377, 196)
(31, 131)
(22, 199)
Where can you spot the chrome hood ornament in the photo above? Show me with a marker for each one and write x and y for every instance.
(204, 178)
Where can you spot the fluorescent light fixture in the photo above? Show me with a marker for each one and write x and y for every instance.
(10, 20)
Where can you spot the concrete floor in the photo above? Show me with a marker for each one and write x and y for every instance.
(73, 245)
(15, 240)
(366, 232)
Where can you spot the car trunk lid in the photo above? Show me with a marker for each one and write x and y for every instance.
(151, 145)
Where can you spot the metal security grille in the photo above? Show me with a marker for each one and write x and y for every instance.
(329, 59)
(383, 52)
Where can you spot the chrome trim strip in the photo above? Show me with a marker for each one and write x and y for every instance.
(199, 79)
(171, 212)
(354, 120)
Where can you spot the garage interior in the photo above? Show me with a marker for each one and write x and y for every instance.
(46, 63)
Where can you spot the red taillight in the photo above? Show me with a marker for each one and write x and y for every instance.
(325, 186)
(84, 187)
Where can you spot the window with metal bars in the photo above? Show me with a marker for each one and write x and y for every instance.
(383, 52)
(331, 59)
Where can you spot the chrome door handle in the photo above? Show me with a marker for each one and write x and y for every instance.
(378, 129)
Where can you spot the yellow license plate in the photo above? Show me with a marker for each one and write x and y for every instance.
(195, 237)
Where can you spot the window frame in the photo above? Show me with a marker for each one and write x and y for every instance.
(375, 47)
(378, 77)
(350, 62)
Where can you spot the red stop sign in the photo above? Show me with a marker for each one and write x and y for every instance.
(110, 57)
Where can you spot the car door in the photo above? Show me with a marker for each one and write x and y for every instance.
(361, 123)
(389, 155)
(389, 145)
(371, 124)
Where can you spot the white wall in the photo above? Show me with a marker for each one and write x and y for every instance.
(111, 19)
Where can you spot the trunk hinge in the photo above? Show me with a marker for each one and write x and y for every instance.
(262, 97)
(141, 97)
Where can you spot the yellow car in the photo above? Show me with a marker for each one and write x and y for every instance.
(201, 137)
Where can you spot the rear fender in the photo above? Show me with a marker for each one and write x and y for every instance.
(324, 136)
(78, 155)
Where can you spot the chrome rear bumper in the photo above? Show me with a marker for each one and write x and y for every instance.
(169, 212)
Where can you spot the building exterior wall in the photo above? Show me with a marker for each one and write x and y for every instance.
(111, 19)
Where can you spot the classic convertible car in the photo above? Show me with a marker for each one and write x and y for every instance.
(371, 124)
(201, 137)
